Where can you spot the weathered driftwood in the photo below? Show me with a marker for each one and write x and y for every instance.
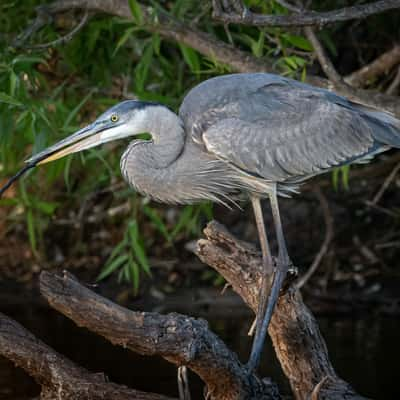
(181, 340)
(59, 377)
(297, 340)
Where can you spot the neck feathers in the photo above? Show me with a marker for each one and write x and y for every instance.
(144, 159)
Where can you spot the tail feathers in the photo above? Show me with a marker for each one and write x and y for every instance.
(385, 128)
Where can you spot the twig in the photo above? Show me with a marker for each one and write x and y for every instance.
(382, 209)
(309, 18)
(385, 62)
(317, 389)
(324, 60)
(395, 84)
(385, 185)
(66, 38)
(329, 233)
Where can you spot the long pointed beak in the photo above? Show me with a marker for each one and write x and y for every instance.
(85, 138)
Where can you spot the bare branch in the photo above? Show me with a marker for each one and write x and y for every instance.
(384, 63)
(309, 18)
(58, 376)
(179, 339)
(206, 44)
(395, 84)
(325, 62)
(298, 343)
(385, 185)
(66, 38)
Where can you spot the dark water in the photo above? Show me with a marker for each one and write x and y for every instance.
(365, 351)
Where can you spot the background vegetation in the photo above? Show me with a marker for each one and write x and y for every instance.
(49, 91)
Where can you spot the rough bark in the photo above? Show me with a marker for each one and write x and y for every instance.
(298, 343)
(306, 18)
(181, 340)
(381, 65)
(59, 377)
(177, 338)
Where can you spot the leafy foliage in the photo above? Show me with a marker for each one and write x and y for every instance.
(46, 94)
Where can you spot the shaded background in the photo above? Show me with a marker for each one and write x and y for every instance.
(78, 214)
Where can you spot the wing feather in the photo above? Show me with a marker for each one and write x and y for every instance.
(305, 136)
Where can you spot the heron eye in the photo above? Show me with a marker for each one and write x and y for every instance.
(114, 118)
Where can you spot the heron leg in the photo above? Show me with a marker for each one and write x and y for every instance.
(267, 303)
(283, 255)
(258, 341)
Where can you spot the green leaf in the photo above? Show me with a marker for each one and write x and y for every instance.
(123, 39)
(112, 266)
(46, 207)
(143, 67)
(257, 46)
(335, 178)
(156, 43)
(343, 173)
(345, 176)
(75, 111)
(5, 98)
(135, 275)
(13, 83)
(136, 11)
(183, 221)
(303, 74)
(30, 220)
(138, 249)
(298, 41)
(157, 221)
(191, 58)
(28, 60)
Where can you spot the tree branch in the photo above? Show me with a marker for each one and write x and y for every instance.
(66, 38)
(59, 377)
(297, 340)
(324, 60)
(204, 43)
(384, 63)
(179, 339)
(309, 18)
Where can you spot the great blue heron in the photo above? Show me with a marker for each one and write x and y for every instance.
(259, 134)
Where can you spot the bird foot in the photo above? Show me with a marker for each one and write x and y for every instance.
(291, 275)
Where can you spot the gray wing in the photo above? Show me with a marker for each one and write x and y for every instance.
(284, 131)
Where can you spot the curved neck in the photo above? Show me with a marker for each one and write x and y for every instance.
(144, 161)
(168, 137)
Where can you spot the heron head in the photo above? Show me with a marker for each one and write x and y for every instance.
(123, 120)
